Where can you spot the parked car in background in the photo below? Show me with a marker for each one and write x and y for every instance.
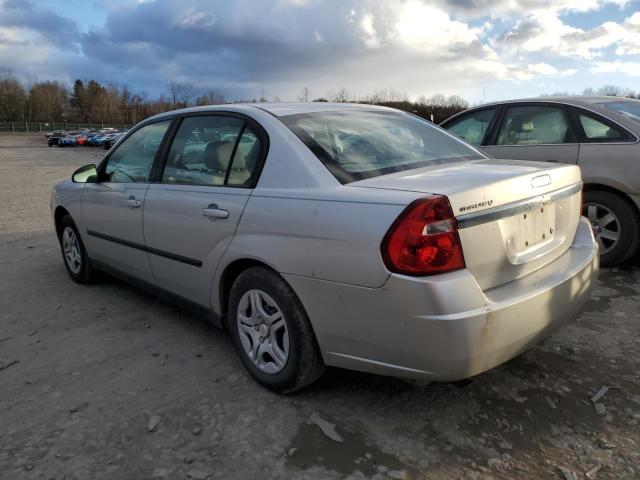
(111, 139)
(600, 134)
(67, 141)
(54, 137)
(334, 234)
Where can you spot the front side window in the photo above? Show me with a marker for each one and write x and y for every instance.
(133, 159)
(472, 127)
(533, 125)
(355, 145)
(212, 151)
(597, 130)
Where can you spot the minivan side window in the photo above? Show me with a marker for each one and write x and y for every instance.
(473, 126)
(212, 150)
(133, 159)
(598, 130)
(533, 125)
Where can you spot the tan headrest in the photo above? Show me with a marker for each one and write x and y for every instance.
(216, 155)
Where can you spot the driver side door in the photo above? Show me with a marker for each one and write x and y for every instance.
(112, 208)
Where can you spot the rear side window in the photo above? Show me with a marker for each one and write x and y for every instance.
(473, 126)
(355, 145)
(599, 129)
(133, 159)
(213, 151)
(533, 125)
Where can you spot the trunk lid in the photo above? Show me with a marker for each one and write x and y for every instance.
(514, 217)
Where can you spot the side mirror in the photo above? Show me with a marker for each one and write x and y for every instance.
(86, 174)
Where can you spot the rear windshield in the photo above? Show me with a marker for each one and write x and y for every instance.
(355, 145)
(629, 109)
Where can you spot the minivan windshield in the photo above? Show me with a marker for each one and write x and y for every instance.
(358, 144)
(627, 108)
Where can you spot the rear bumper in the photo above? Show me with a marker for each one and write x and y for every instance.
(445, 327)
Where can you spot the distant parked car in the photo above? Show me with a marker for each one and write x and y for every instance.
(68, 141)
(600, 134)
(111, 139)
(54, 137)
(333, 234)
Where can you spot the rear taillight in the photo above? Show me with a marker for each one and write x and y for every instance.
(424, 239)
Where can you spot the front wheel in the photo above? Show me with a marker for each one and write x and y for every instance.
(272, 333)
(74, 254)
(615, 226)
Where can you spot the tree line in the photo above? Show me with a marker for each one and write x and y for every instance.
(91, 102)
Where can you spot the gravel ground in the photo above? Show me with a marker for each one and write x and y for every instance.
(107, 382)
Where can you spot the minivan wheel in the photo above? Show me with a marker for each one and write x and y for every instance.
(615, 226)
(74, 254)
(271, 331)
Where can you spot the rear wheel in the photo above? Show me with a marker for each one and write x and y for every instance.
(272, 333)
(615, 226)
(74, 254)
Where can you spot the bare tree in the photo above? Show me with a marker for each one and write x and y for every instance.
(48, 101)
(210, 97)
(181, 93)
(342, 96)
(305, 94)
(12, 97)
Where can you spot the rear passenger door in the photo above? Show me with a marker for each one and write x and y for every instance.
(191, 212)
(534, 132)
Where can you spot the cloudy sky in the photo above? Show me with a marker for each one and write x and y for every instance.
(479, 49)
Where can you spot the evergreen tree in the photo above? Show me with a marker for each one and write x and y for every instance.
(79, 99)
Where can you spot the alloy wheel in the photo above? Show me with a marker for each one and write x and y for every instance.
(263, 331)
(71, 250)
(605, 224)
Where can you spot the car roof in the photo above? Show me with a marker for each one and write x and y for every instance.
(593, 103)
(284, 109)
(276, 109)
(587, 101)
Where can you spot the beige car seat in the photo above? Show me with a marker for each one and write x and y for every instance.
(217, 156)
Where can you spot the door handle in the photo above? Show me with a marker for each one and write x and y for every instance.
(212, 211)
(132, 202)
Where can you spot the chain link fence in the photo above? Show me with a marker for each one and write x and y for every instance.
(48, 127)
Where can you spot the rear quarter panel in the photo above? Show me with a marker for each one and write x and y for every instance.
(615, 165)
(326, 235)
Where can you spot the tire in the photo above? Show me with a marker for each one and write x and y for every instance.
(612, 215)
(303, 364)
(79, 269)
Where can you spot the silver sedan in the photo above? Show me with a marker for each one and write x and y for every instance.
(335, 235)
(599, 134)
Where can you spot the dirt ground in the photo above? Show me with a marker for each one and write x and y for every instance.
(107, 382)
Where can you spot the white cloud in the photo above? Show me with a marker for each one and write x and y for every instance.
(371, 39)
(425, 27)
(545, 32)
(542, 69)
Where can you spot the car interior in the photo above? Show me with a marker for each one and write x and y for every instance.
(533, 128)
